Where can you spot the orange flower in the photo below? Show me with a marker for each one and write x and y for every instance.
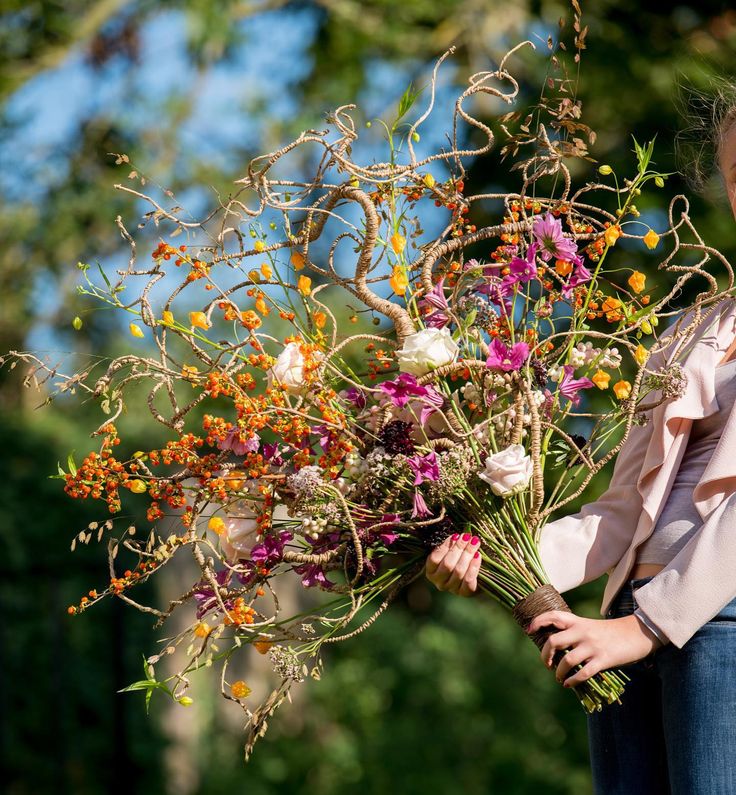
(622, 389)
(266, 271)
(189, 373)
(297, 260)
(167, 318)
(563, 267)
(202, 630)
(217, 525)
(262, 645)
(304, 285)
(262, 306)
(239, 689)
(320, 319)
(601, 379)
(641, 354)
(250, 320)
(611, 235)
(637, 281)
(199, 320)
(399, 281)
(397, 242)
(651, 239)
(610, 304)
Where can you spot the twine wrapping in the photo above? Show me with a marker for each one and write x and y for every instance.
(544, 598)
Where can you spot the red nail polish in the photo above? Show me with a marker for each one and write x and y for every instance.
(475, 540)
(466, 537)
(455, 537)
(476, 555)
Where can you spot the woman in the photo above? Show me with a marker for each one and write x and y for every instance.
(665, 533)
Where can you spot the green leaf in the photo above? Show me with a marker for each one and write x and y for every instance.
(59, 470)
(408, 98)
(70, 463)
(104, 276)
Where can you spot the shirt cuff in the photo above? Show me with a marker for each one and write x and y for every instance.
(651, 626)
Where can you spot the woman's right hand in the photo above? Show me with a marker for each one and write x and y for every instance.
(454, 564)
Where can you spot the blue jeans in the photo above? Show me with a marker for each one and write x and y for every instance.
(675, 731)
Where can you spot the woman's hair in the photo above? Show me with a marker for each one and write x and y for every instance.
(709, 114)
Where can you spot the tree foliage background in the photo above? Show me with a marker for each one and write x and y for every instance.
(443, 693)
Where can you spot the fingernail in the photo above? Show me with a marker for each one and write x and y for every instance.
(475, 540)
(476, 555)
(455, 537)
(466, 536)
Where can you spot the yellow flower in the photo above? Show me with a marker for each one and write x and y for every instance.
(239, 689)
(136, 330)
(202, 630)
(167, 318)
(266, 271)
(637, 281)
(189, 373)
(185, 701)
(250, 320)
(611, 235)
(297, 260)
(259, 246)
(199, 320)
(646, 326)
(304, 285)
(254, 276)
(320, 319)
(399, 281)
(651, 239)
(261, 305)
(397, 242)
(622, 389)
(138, 486)
(641, 354)
(601, 379)
(217, 525)
(429, 180)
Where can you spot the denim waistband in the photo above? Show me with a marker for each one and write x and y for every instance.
(625, 603)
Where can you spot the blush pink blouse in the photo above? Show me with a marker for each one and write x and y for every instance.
(604, 536)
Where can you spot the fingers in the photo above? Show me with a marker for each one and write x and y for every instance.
(459, 572)
(552, 618)
(573, 658)
(469, 585)
(449, 562)
(557, 642)
(589, 669)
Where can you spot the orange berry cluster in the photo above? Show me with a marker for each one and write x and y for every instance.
(199, 269)
(240, 613)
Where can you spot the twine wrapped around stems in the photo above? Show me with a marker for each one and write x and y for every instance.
(544, 598)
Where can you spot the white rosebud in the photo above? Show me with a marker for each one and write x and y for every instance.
(508, 471)
(427, 350)
(288, 371)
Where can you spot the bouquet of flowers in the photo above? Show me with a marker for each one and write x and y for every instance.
(304, 448)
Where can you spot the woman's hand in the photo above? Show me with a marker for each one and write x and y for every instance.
(454, 564)
(598, 643)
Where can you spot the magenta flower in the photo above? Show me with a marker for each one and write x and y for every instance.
(579, 276)
(406, 387)
(436, 299)
(313, 574)
(524, 270)
(548, 233)
(424, 467)
(356, 396)
(507, 359)
(569, 386)
(420, 508)
(234, 442)
(271, 453)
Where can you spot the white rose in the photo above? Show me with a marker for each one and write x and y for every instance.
(240, 533)
(426, 350)
(508, 471)
(288, 371)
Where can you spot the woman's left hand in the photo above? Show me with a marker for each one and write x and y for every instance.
(598, 643)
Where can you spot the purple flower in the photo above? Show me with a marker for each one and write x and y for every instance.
(548, 233)
(204, 595)
(313, 574)
(569, 386)
(388, 536)
(420, 509)
(436, 299)
(233, 441)
(271, 549)
(507, 359)
(579, 276)
(356, 396)
(406, 387)
(271, 453)
(424, 467)
(524, 270)
(324, 436)
(499, 291)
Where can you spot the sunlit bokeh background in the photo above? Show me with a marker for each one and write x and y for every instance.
(443, 694)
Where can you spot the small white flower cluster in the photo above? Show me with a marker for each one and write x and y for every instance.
(583, 354)
(312, 528)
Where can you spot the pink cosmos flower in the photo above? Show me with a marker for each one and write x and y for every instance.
(569, 386)
(234, 442)
(579, 276)
(406, 387)
(507, 359)
(524, 270)
(548, 233)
